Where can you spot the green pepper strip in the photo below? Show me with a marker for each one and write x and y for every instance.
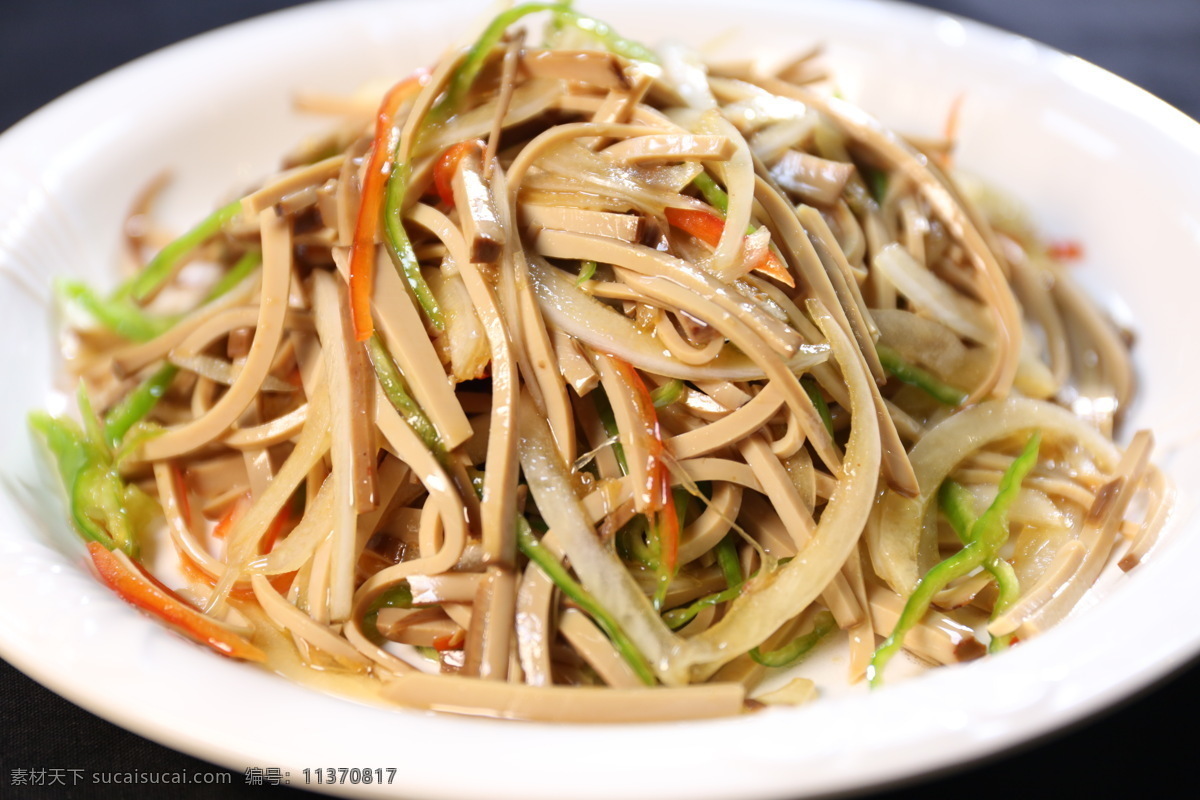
(101, 504)
(818, 400)
(163, 265)
(799, 647)
(468, 70)
(604, 33)
(236, 274)
(714, 195)
(464, 75)
(401, 248)
(988, 535)
(667, 394)
(118, 313)
(913, 375)
(587, 270)
(676, 618)
(124, 317)
(557, 573)
(609, 420)
(397, 393)
(137, 404)
(877, 182)
(727, 558)
(955, 502)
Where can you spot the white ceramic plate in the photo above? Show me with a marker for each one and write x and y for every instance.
(1074, 142)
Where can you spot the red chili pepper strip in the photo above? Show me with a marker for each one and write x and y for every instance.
(1068, 250)
(277, 525)
(708, 227)
(444, 169)
(366, 225)
(452, 641)
(136, 588)
(231, 516)
(659, 503)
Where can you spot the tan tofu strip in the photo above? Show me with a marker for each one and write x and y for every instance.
(665, 148)
(457, 695)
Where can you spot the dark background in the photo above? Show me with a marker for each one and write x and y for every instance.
(47, 47)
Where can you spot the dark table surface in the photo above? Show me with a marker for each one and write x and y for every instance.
(1148, 745)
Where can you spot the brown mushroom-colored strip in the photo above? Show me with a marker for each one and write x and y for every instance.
(1037, 611)
(732, 428)
(291, 182)
(653, 263)
(456, 695)
(943, 200)
(749, 343)
(937, 638)
(597, 68)
(508, 83)
(486, 651)
(812, 178)
(597, 650)
(665, 148)
(476, 213)
(626, 227)
(403, 332)
(1162, 500)
(177, 440)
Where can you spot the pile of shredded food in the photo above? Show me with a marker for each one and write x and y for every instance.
(583, 381)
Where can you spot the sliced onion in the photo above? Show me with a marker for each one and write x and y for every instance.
(572, 310)
(908, 527)
(779, 595)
